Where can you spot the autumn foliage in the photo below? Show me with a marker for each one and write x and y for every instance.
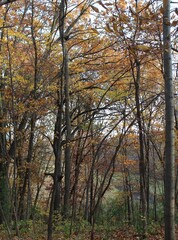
(82, 119)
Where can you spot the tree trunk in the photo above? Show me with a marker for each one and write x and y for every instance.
(142, 165)
(57, 148)
(68, 135)
(4, 185)
(4, 188)
(25, 209)
(65, 74)
(169, 209)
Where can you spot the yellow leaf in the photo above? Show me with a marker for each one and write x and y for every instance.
(143, 48)
(1, 22)
(19, 35)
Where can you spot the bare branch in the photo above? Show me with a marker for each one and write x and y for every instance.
(6, 26)
(174, 49)
(3, 2)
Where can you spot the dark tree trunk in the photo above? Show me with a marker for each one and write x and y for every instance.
(65, 76)
(4, 184)
(142, 165)
(24, 210)
(57, 148)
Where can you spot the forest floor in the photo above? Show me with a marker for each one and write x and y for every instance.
(123, 234)
(116, 235)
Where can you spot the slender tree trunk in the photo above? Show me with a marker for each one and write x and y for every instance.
(169, 131)
(41, 183)
(25, 209)
(142, 165)
(55, 203)
(127, 189)
(57, 148)
(68, 136)
(65, 74)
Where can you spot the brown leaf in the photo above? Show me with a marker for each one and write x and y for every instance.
(174, 23)
(100, 2)
(108, 29)
(161, 10)
(115, 27)
(94, 30)
(95, 8)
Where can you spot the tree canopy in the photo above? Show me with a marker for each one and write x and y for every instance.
(83, 145)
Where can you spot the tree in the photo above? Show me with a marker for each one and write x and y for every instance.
(169, 129)
(4, 159)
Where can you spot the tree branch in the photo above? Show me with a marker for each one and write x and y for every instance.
(174, 49)
(3, 2)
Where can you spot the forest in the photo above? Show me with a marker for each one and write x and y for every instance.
(88, 119)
